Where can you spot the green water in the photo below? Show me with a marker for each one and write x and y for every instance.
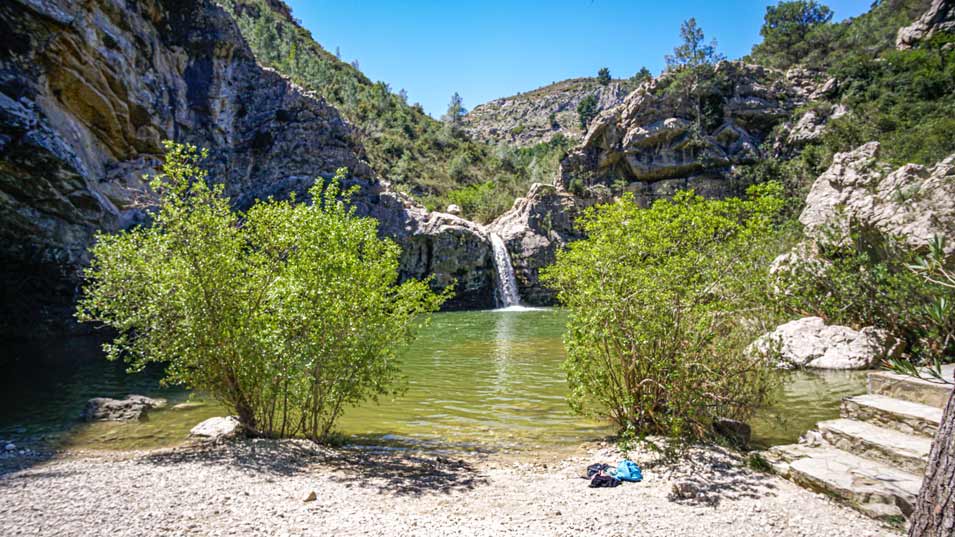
(485, 380)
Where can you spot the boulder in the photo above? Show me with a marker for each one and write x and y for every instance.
(651, 137)
(218, 428)
(736, 432)
(859, 192)
(453, 209)
(939, 17)
(133, 407)
(809, 342)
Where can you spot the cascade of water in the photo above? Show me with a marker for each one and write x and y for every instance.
(507, 294)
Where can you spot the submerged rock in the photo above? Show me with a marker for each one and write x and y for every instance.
(217, 428)
(133, 407)
(809, 342)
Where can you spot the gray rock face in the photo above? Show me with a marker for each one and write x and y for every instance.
(536, 116)
(133, 407)
(218, 428)
(940, 17)
(445, 246)
(648, 141)
(88, 90)
(534, 229)
(809, 342)
(914, 203)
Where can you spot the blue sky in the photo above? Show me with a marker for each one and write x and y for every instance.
(489, 49)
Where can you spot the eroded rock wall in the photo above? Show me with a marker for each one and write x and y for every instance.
(88, 90)
(657, 141)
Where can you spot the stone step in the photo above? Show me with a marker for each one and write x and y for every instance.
(876, 489)
(926, 392)
(904, 451)
(903, 416)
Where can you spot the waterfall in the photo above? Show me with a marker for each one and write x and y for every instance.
(507, 294)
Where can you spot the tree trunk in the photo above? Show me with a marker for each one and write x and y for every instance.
(935, 508)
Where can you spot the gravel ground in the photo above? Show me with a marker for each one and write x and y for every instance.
(260, 487)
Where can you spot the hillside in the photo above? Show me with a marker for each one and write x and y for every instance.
(436, 162)
(535, 116)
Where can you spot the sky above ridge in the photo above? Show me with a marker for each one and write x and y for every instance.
(495, 48)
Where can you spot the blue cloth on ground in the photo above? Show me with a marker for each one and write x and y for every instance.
(628, 471)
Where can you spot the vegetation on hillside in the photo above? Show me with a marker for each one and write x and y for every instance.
(663, 302)
(287, 313)
(432, 160)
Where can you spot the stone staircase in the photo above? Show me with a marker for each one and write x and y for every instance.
(874, 456)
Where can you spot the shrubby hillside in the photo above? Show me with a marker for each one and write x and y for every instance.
(435, 161)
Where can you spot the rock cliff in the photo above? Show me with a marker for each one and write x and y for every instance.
(940, 17)
(88, 91)
(859, 192)
(662, 139)
(534, 117)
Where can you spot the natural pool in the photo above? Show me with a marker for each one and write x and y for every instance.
(486, 380)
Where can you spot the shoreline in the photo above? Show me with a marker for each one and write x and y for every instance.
(260, 487)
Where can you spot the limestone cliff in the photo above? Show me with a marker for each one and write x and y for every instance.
(87, 92)
(534, 117)
(656, 143)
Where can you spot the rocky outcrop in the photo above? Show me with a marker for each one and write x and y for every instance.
(88, 90)
(940, 17)
(913, 203)
(654, 143)
(809, 342)
(445, 247)
(536, 116)
(133, 407)
(535, 228)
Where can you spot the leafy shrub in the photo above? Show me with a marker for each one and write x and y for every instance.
(586, 111)
(286, 314)
(603, 76)
(662, 303)
(868, 281)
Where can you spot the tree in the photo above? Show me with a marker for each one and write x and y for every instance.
(642, 75)
(692, 75)
(286, 314)
(663, 302)
(456, 110)
(586, 111)
(693, 51)
(603, 76)
(788, 30)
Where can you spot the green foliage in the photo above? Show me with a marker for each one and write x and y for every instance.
(586, 111)
(641, 76)
(662, 303)
(791, 31)
(603, 76)
(868, 281)
(693, 51)
(402, 143)
(287, 314)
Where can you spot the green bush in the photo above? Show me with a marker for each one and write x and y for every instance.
(868, 280)
(586, 111)
(662, 303)
(286, 314)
